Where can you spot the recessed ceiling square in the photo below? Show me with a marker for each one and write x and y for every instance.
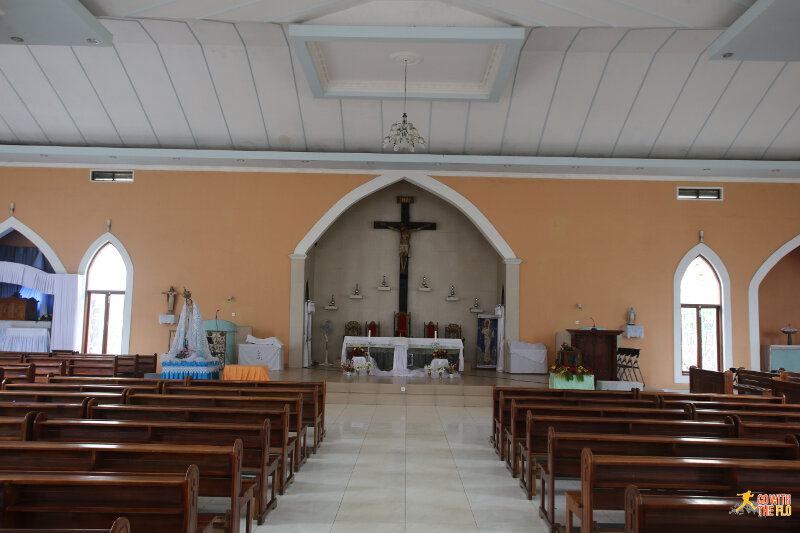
(450, 63)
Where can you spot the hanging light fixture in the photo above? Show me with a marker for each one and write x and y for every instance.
(403, 133)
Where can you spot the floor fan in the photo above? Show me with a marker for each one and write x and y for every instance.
(326, 328)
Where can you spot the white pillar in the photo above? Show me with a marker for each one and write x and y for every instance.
(296, 312)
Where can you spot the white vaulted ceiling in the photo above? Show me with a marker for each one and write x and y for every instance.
(604, 78)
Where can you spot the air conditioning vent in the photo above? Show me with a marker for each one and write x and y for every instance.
(706, 193)
(112, 175)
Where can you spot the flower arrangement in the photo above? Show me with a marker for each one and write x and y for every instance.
(45, 318)
(428, 369)
(357, 351)
(182, 354)
(438, 353)
(451, 369)
(348, 366)
(440, 370)
(568, 371)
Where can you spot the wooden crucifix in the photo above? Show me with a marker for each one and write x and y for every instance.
(405, 227)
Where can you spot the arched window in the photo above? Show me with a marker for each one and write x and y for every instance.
(701, 317)
(105, 297)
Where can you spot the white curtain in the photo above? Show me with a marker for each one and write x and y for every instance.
(499, 311)
(309, 312)
(66, 332)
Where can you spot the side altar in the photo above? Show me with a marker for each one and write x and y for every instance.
(25, 336)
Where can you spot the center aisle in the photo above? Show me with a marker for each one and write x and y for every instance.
(405, 469)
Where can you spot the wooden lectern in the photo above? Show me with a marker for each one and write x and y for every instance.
(599, 349)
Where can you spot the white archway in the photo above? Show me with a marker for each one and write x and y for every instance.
(83, 268)
(725, 284)
(752, 298)
(12, 223)
(427, 183)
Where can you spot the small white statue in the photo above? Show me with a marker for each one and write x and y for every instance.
(356, 292)
(631, 317)
(452, 290)
(383, 283)
(424, 282)
(476, 306)
(333, 301)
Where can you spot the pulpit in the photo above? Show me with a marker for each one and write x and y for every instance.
(599, 349)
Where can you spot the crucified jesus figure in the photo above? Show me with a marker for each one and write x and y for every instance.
(405, 242)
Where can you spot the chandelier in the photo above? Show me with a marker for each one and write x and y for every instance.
(403, 133)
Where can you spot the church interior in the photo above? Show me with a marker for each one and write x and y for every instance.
(394, 265)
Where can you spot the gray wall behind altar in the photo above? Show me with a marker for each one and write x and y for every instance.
(352, 251)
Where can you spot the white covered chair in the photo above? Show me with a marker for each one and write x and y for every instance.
(526, 358)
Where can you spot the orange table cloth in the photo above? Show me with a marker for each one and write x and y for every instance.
(245, 373)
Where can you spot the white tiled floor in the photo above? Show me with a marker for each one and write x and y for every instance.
(404, 469)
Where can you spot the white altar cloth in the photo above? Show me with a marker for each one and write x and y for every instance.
(270, 355)
(401, 346)
(25, 340)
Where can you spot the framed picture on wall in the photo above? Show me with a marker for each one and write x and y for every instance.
(486, 356)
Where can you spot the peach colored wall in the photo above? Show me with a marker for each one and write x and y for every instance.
(779, 299)
(606, 244)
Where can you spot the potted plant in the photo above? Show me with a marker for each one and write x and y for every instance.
(451, 370)
(439, 353)
(571, 377)
(568, 355)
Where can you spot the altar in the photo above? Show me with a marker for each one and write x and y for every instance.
(24, 336)
(400, 349)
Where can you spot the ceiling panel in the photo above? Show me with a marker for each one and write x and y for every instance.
(734, 107)
(232, 75)
(659, 90)
(692, 13)
(487, 120)
(582, 71)
(448, 127)
(361, 121)
(785, 144)
(110, 81)
(698, 97)
(274, 80)
(20, 68)
(62, 69)
(537, 73)
(147, 73)
(191, 77)
(773, 110)
(322, 118)
(625, 71)
(17, 117)
(6, 135)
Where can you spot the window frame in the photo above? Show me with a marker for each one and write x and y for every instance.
(699, 361)
(107, 303)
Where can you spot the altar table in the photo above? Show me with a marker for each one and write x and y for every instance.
(197, 370)
(245, 373)
(401, 346)
(29, 340)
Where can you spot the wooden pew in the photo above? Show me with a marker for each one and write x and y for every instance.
(710, 381)
(47, 396)
(294, 401)
(753, 382)
(154, 388)
(506, 398)
(658, 513)
(312, 410)
(756, 416)
(99, 380)
(789, 389)
(84, 366)
(120, 525)
(13, 358)
(46, 367)
(735, 406)
(18, 373)
(280, 441)
(164, 503)
(16, 427)
(220, 467)
(754, 429)
(711, 397)
(255, 440)
(515, 432)
(53, 410)
(496, 435)
(564, 454)
(537, 427)
(319, 386)
(601, 477)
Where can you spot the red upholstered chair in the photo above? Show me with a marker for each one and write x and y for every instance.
(430, 330)
(402, 321)
(373, 328)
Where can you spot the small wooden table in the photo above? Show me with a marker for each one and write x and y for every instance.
(245, 373)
